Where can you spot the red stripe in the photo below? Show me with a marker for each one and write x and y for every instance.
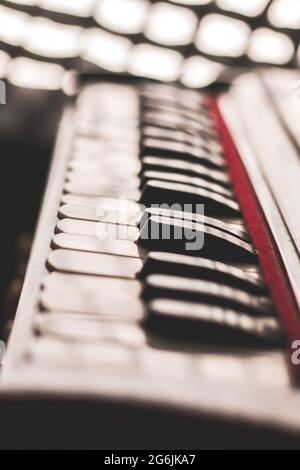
(272, 266)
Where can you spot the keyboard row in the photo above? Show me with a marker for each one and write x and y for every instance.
(147, 260)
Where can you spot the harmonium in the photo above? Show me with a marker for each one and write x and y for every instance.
(160, 307)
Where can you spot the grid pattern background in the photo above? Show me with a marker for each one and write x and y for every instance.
(191, 41)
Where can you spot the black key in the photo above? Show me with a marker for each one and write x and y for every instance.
(204, 323)
(201, 268)
(182, 151)
(185, 168)
(174, 235)
(236, 229)
(197, 290)
(184, 179)
(160, 192)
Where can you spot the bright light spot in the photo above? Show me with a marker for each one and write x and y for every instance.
(266, 46)
(298, 55)
(222, 36)
(4, 61)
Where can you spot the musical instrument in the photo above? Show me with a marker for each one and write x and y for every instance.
(161, 301)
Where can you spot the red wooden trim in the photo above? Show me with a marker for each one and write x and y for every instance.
(262, 238)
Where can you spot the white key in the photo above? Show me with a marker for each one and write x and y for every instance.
(94, 245)
(89, 328)
(29, 73)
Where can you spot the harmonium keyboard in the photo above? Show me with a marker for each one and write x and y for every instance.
(161, 303)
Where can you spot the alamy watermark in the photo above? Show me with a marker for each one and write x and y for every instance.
(296, 353)
(2, 92)
(158, 222)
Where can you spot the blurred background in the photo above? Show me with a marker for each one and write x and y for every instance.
(199, 43)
